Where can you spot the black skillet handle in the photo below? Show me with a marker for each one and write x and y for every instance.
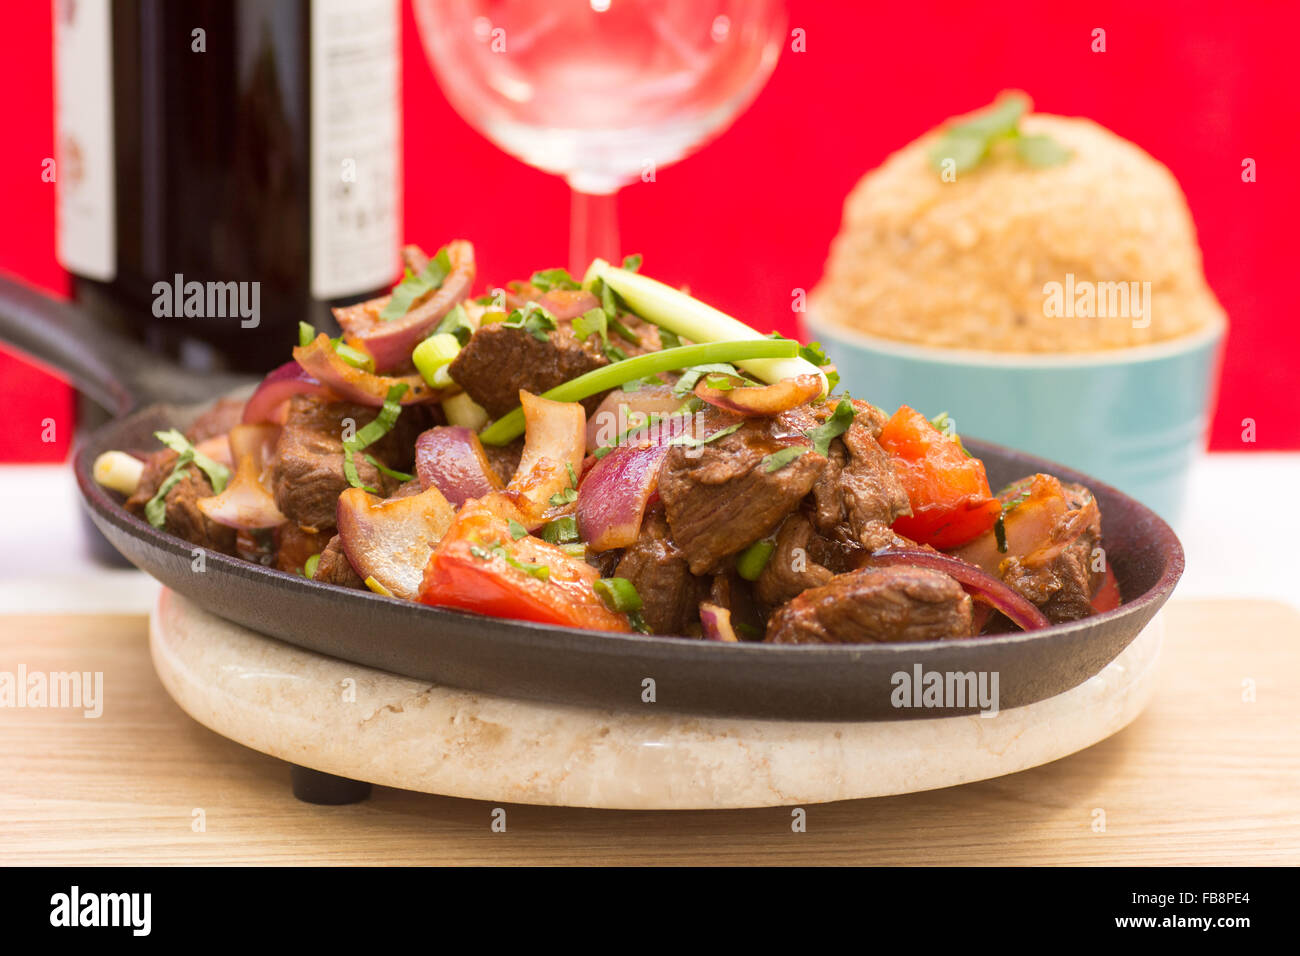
(114, 371)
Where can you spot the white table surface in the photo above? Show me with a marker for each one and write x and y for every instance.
(1241, 534)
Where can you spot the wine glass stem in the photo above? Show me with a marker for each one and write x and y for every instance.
(593, 229)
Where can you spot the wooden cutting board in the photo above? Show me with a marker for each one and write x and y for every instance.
(1210, 774)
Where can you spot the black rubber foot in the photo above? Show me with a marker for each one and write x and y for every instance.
(313, 786)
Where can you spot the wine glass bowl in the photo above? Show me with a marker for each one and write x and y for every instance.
(601, 92)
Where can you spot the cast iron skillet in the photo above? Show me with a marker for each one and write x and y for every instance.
(543, 662)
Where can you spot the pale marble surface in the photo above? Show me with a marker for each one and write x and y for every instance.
(399, 732)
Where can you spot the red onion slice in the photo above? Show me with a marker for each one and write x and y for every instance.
(982, 585)
(621, 410)
(617, 489)
(390, 343)
(355, 385)
(245, 503)
(568, 303)
(717, 623)
(451, 459)
(762, 401)
(613, 496)
(277, 388)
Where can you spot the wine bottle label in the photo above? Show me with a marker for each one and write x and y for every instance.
(83, 138)
(355, 141)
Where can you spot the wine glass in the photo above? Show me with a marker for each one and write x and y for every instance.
(601, 92)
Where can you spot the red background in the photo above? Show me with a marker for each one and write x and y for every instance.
(749, 218)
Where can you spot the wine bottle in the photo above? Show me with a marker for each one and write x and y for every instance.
(227, 169)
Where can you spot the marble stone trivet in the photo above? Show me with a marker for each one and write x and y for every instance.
(369, 725)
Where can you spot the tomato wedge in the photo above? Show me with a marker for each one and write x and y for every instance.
(1107, 597)
(948, 490)
(479, 566)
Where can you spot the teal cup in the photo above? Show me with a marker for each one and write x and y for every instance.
(1135, 418)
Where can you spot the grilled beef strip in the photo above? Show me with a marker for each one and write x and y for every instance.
(890, 604)
(722, 496)
(802, 559)
(498, 361)
(223, 415)
(183, 517)
(670, 594)
(306, 468)
(334, 568)
(1059, 576)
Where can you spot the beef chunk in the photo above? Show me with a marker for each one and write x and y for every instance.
(720, 497)
(223, 415)
(498, 361)
(670, 594)
(858, 496)
(647, 336)
(396, 449)
(802, 559)
(334, 568)
(294, 546)
(889, 604)
(504, 459)
(730, 591)
(307, 476)
(1058, 575)
(407, 489)
(183, 517)
(306, 469)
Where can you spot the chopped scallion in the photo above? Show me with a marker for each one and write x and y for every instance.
(561, 530)
(751, 562)
(511, 425)
(619, 594)
(434, 354)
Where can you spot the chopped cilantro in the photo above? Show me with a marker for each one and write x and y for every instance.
(534, 320)
(667, 339)
(565, 497)
(456, 323)
(692, 375)
(779, 459)
(690, 441)
(218, 474)
(814, 354)
(561, 530)
(832, 428)
(548, 279)
(371, 433)
(415, 286)
(623, 332)
(384, 469)
(592, 322)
